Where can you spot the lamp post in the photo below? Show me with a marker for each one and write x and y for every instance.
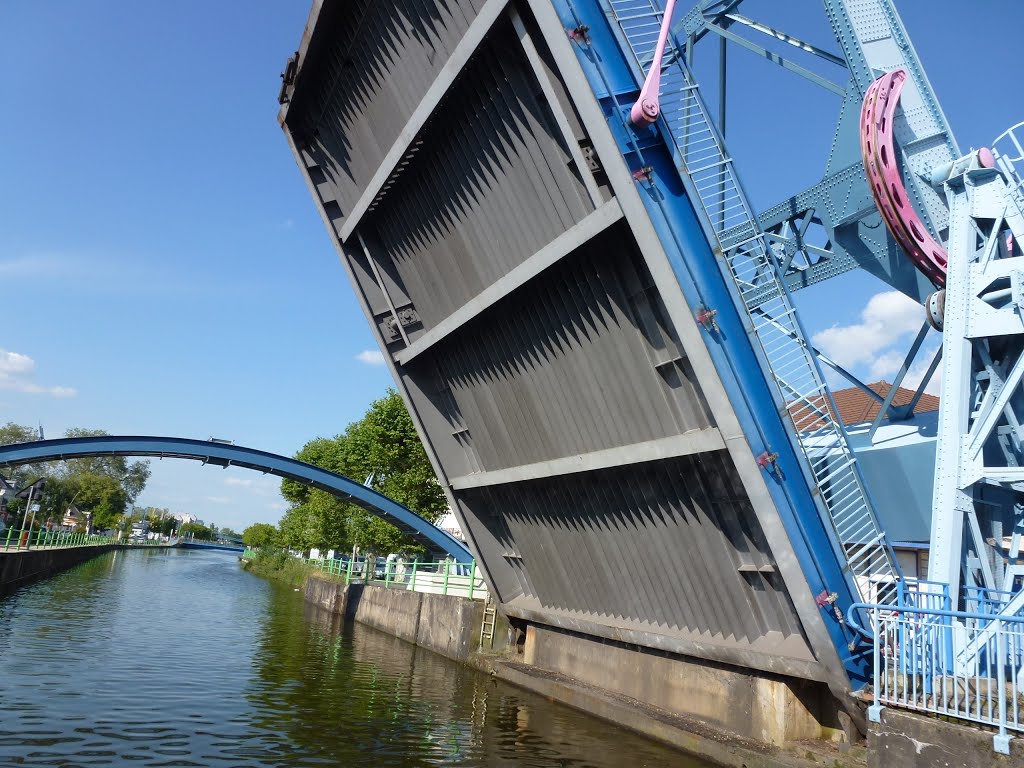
(38, 485)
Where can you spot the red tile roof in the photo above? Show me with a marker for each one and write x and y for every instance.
(855, 406)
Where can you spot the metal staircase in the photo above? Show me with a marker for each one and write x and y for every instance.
(763, 301)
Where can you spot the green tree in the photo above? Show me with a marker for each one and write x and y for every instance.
(196, 530)
(300, 529)
(22, 474)
(132, 476)
(260, 535)
(76, 480)
(384, 448)
(101, 495)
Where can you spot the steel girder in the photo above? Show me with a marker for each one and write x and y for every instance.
(834, 226)
(979, 472)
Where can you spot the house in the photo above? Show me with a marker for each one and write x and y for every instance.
(186, 517)
(897, 462)
(7, 492)
(73, 517)
(450, 525)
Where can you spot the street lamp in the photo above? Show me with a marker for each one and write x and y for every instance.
(29, 493)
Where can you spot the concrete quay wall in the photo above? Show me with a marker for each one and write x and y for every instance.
(18, 568)
(446, 624)
(765, 709)
(911, 741)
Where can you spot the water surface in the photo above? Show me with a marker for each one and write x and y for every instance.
(182, 659)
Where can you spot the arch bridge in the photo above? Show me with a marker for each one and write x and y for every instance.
(227, 455)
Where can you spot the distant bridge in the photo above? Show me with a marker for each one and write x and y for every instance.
(191, 544)
(227, 455)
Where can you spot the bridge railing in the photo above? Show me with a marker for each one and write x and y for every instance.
(442, 578)
(968, 666)
(40, 538)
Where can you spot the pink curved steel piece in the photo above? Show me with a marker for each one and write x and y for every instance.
(879, 152)
(647, 108)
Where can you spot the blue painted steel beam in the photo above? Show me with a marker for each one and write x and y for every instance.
(695, 263)
(225, 455)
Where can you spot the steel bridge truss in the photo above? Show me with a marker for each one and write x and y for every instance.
(979, 475)
(834, 226)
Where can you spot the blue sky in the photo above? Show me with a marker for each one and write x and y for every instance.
(164, 270)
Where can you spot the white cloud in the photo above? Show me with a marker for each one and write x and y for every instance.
(238, 482)
(218, 499)
(13, 363)
(920, 368)
(35, 266)
(875, 348)
(887, 318)
(371, 357)
(16, 374)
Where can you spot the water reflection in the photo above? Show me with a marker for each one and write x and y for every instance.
(181, 659)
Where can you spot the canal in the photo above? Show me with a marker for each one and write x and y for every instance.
(183, 659)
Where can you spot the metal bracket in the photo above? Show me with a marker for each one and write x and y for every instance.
(1001, 743)
(706, 318)
(645, 173)
(580, 34)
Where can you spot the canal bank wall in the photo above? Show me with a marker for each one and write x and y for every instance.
(446, 624)
(18, 568)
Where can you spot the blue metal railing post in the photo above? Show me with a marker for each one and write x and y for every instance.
(875, 710)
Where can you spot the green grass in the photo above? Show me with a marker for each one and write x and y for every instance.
(279, 566)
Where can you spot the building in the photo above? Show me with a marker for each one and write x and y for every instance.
(7, 492)
(897, 461)
(72, 517)
(449, 523)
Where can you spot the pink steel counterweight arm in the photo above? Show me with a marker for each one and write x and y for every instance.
(647, 108)
(878, 149)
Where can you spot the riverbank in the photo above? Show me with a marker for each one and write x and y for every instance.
(277, 566)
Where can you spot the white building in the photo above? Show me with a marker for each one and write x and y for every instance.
(450, 525)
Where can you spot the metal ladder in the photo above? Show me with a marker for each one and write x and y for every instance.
(487, 626)
(764, 302)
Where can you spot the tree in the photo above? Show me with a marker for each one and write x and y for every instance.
(101, 495)
(77, 480)
(384, 448)
(132, 476)
(260, 535)
(22, 474)
(196, 531)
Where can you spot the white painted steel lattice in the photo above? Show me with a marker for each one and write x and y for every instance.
(763, 300)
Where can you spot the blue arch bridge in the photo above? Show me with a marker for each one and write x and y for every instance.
(219, 454)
